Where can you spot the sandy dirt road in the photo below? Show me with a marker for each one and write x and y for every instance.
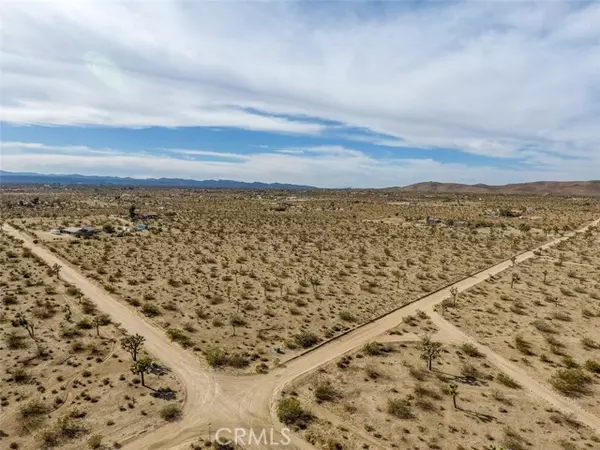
(533, 386)
(249, 401)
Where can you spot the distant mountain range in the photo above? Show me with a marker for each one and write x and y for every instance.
(39, 178)
(565, 188)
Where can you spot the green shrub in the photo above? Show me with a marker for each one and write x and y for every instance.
(523, 346)
(171, 413)
(95, 441)
(507, 381)
(572, 382)
(290, 412)
(306, 339)
(376, 348)
(325, 392)
(470, 350)
(347, 316)
(180, 337)
(399, 408)
(33, 409)
(592, 366)
(150, 310)
(215, 357)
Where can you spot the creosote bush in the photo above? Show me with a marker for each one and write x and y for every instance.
(572, 382)
(171, 413)
(291, 412)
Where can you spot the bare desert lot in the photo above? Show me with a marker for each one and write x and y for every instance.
(544, 315)
(383, 396)
(241, 284)
(65, 376)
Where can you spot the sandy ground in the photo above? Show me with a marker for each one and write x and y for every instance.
(77, 376)
(543, 326)
(488, 412)
(226, 400)
(248, 281)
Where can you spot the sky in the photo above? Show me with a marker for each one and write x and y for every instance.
(331, 94)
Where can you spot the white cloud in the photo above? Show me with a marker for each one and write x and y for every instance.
(490, 78)
(334, 169)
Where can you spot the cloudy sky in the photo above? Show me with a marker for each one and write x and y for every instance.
(361, 94)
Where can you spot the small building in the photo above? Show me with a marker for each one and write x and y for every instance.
(141, 227)
(71, 230)
(147, 216)
(79, 231)
(433, 220)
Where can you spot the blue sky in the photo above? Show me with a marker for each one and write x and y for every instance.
(362, 94)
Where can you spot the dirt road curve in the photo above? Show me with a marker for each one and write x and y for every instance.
(247, 401)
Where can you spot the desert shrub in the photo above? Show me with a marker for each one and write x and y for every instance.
(150, 310)
(572, 382)
(347, 316)
(179, 336)
(216, 357)
(21, 376)
(10, 299)
(469, 372)
(513, 440)
(543, 326)
(399, 408)
(559, 315)
(69, 428)
(470, 350)
(238, 361)
(49, 438)
(325, 392)
(290, 412)
(523, 346)
(88, 307)
(85, 324)
(589, 343)
(16, 341)
(32, 409)
(171, 413)
(376, 348)
(417, 373)
(507, 381)
(592, 366)
(95, 441)
(306, 339)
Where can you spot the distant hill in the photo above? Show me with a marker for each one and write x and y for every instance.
(562, 188)
(38, 178)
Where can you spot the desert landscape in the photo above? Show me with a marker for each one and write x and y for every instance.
(321, 303)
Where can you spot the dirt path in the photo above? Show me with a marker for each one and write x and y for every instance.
(534, 387)
(249, 401)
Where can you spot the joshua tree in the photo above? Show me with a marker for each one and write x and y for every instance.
(315, 282)
(513, 260)
(398, 275)
(67, 313)
(79, 295)
(132, 212)
(21, 321)
(545, 272)
(514, 279)
(454, 293)
(96, 322)
(430, 350)
(141, 367)
(453, 389)
(133, 344)
(56, 270)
